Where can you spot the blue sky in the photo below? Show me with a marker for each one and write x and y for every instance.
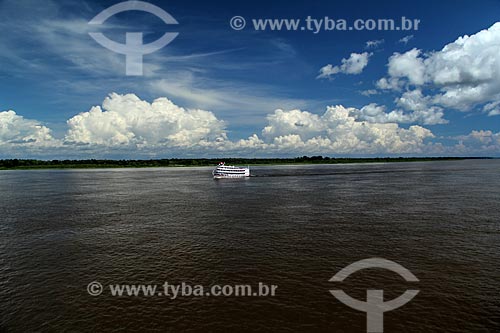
(51, 70)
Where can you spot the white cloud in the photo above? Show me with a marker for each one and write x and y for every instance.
(374, 113)
(127, 120)
(482, 137)
(467, 71)
(126, 125)
(369, 92)
(406, 39)
(415, 109)
(295, 121)
(392, 83)
(225, 97)
(356, 63)
(492, 108)
(16, 130)
(408, 65)
(464, 74)
(421, 109)
(352, 65)
(486, 142)
(328, 71)
(338, 131)
(373, 44)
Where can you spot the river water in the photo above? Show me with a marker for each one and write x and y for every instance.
(289, 226)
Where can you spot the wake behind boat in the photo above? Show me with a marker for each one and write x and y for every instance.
(230, 171)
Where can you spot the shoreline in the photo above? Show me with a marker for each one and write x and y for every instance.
(29, 164)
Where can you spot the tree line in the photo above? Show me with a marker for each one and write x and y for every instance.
(178, 162)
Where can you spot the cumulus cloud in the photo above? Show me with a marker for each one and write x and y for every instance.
(478, 141)
(463, 75)
(392, 83)
(374, 113)
(128, 120)
(481, 136)
(126, 125)
(408, 65)
(338, 131)
(16, 130)
(421, 109)
(414, 109)
(352, 65)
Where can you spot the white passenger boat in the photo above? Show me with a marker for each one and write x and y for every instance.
(230, 171)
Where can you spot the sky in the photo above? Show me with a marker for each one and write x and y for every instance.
(217, 91)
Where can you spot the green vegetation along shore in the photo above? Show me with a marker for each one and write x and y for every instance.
(183, 162)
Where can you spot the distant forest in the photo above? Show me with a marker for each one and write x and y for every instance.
(183, 162)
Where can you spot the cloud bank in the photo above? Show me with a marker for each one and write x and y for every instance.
(127, 124)
(339, 131)
(126, 120)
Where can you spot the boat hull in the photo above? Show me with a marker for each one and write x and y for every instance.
(228, 171)
(230, 176)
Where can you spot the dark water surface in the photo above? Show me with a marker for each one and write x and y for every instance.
(292, 226)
